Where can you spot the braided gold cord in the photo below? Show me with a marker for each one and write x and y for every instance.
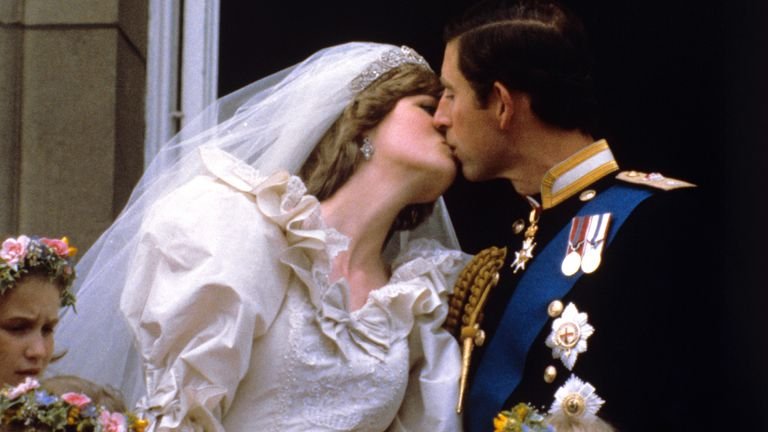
(473, 281)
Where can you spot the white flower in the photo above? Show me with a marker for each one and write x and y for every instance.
(13, 251)
(569, 335)
(29, 384)
(576, 398)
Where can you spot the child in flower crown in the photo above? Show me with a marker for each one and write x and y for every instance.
(36, 274)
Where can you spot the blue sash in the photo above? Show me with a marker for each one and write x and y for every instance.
(501, 368)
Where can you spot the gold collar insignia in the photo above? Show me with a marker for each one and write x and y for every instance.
(577, 172)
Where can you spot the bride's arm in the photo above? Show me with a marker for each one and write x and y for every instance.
(433, 383)
(206, 282)
(430, 399)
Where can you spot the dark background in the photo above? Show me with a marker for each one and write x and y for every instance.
(682, 92)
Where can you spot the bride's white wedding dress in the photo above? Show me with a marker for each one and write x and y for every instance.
(240, 329)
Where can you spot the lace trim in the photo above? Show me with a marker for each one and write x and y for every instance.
(318, 387)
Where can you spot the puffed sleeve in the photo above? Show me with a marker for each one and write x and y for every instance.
(206, 281)
(435, 358)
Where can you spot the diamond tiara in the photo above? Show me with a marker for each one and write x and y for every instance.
(389, 60)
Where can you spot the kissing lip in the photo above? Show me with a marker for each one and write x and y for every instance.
(29, 372)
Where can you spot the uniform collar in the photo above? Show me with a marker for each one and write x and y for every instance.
(580, 170)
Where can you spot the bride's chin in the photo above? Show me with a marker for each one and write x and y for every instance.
(436, 189)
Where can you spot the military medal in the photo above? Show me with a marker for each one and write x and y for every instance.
(572, 261)
(569, 335)
(594, 242)
(576, 401)
(591, 261)
(525, 253)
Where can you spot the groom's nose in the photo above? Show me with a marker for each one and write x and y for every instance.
(441, 120)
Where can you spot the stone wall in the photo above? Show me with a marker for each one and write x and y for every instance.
(72, 91)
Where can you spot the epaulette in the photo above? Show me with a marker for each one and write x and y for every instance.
(654, 180)
(465, 312)
(472, 287)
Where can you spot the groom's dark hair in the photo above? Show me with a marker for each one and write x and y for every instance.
(537, 47)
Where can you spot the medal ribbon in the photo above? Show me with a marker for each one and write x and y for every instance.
(598, 227)
(575, 247)
(577, 235)
(500, 369)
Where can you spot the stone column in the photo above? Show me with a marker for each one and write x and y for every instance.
(10, 73)
(72, 90)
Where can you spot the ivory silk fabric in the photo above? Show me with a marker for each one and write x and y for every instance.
(240, 329)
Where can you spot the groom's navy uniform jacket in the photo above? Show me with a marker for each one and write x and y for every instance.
(652, 353)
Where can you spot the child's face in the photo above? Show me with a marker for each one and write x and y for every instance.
(29, 312)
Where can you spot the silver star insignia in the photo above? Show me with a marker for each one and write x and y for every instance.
(524, 255)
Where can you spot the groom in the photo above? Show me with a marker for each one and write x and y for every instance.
(598, 317)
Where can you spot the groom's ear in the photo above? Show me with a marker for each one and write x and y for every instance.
(504, 105)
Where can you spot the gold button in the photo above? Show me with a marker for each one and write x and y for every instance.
(555, 308)
(587, 195)
(479, 338)
(518, 226)
(550, 373)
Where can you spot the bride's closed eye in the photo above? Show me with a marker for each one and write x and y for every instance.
(429, 108)
(428, 104)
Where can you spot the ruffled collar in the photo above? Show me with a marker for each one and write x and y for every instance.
(417, 285)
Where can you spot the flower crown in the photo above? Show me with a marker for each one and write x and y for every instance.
(27, 406)
(53, 257)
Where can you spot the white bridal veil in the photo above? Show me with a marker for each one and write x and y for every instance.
(271, 124)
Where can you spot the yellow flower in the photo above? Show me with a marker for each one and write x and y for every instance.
(504, 423)
(72, 415)
(71, 250)
(521, 411)
(499, 423)
(140, 425)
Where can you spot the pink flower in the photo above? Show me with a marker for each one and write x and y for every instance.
(14, 250)
(77, 399)
(29, 384)
(60, 247)
(112, 422)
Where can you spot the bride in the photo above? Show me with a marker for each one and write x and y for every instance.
(277, 267)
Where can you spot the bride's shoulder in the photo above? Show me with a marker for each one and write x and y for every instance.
(242, 177)
(231, 170)
(425, 248)
(228, 191)
(426, 254)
